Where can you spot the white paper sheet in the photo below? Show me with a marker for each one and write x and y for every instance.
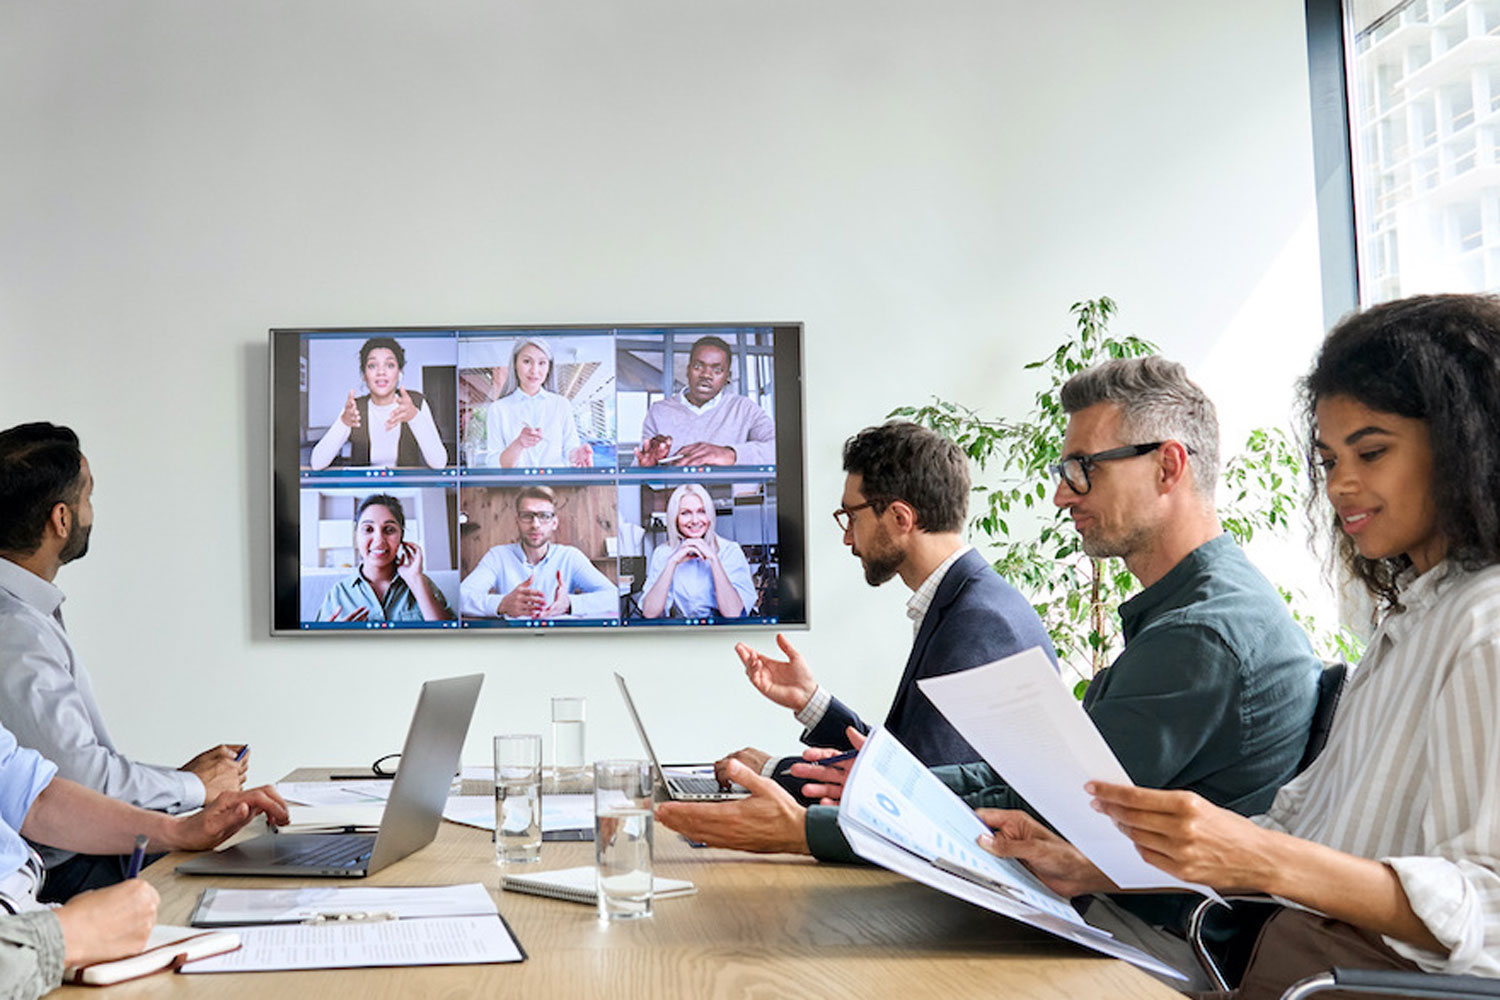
(559, 812)
(1029, 728)
(891, 794)
(436, 941)
(897, 814)
(334, 793)
(233, 907)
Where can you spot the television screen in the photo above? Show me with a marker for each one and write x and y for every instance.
(537, 477)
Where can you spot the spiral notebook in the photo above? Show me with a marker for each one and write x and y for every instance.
(578, 885)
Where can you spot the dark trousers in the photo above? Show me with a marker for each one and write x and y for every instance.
(1295, 944)
(83, 872)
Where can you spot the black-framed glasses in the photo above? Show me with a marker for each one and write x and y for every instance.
(1074, 470)
(534, 516)
(844, 516)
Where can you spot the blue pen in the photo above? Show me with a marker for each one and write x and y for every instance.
(241, 755)
(137, 856)
(835, 759)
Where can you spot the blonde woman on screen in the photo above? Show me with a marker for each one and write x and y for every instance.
(697, 574)
(530, 425)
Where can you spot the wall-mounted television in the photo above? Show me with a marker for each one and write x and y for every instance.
(503, 478)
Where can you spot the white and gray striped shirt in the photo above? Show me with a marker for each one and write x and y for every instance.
(1411, 773)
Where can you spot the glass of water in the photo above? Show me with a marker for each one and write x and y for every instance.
(567, 739)
(518, 798)
(623, 838)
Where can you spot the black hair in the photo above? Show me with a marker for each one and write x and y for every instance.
(41, 466)
(385, 500)
(899, 460)
(389, 343)
(711, 341)
(1434, 358)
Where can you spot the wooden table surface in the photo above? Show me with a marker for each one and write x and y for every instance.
(759, 927)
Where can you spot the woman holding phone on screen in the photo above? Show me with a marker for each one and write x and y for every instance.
(530, 425)
(388, 426)
(389, 584)
(1390, 838)
(697, 574)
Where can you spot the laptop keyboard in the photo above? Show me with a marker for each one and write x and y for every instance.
(696, 786)
(334, 851)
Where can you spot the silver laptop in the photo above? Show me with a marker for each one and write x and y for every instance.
(683, 782)
(412, 814)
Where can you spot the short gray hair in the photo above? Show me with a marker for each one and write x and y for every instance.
(1157, 402)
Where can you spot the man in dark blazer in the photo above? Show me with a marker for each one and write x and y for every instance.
(905, 502)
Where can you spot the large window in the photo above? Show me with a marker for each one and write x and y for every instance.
(1422, 92)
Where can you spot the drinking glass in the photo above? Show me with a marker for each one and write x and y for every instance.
(567, 739)
(518, 798)
(623, 838)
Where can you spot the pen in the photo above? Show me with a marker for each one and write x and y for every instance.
(356, 917)
(137, 856)
(241, 755)
(835, 759)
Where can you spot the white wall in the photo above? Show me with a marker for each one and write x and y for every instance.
(928, 186)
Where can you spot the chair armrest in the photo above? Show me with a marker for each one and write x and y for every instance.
(1383, 982)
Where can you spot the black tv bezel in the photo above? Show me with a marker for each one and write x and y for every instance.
(284, 386)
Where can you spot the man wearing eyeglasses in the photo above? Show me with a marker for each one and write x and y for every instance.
(902, 513)
(705, 424)
(535, 577)
(1216, 686)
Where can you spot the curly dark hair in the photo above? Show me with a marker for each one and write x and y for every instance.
(1434, 358)
(902, 461)
(389, 343)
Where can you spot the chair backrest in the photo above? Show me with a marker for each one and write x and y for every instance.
(1330, 689)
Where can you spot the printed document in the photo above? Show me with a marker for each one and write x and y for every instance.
(1032, 730)
(387, 943)
(897, 814)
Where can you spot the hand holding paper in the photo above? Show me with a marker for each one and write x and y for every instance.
(1031, 730)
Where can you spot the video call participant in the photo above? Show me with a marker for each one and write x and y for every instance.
(905, 502)
(46, 697)
(537, 577)
(1216, 685)
(1390, 838)
(697, 573)
(36, 942)
(388, 585)
(530, 425)
(706, 424)
(386, 427)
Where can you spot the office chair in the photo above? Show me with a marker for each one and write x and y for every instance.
(1258, 909)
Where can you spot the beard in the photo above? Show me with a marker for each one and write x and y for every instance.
(77, 545)
(882, 560)
(1098, 546)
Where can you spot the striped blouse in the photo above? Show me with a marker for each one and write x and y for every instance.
(1411, 772)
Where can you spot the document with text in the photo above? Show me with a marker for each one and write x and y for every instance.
(1032, 730)
(382, 944)
(899, 815)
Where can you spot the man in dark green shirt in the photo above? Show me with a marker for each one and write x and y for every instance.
(1216, 686)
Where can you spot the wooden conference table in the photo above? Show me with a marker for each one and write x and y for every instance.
(759, 926)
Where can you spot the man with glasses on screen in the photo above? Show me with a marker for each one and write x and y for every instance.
(1216, 686)
(536, 577)
(706, 424)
